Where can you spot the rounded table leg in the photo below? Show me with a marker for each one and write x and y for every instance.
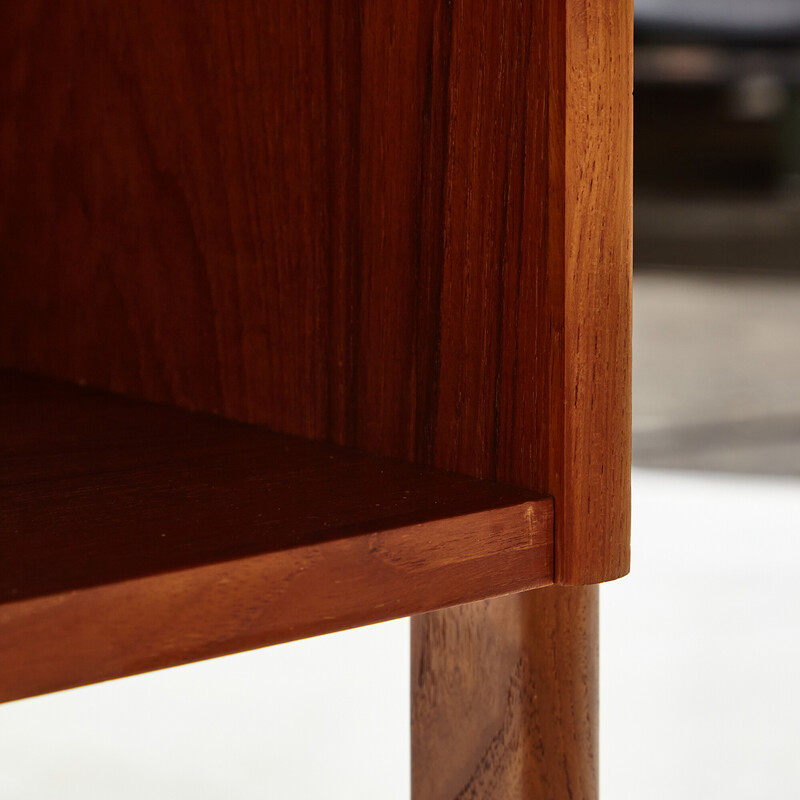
(504, 698)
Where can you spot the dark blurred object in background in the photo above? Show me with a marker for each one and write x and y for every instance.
(718, 92)
(717, 108)
(717, 235)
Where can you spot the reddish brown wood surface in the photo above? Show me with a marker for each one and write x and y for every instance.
(504, 693)
(402, 226)
(594, 535)
(136, 536)
(351, 221)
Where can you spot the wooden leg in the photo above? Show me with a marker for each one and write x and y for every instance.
(504, 698)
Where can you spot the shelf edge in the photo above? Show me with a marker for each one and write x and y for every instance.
(85, 636)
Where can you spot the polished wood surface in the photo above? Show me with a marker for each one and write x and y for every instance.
(397, 225)
(360, 222)
(504, 692)
(504, 698)
(598, 197)
(136, 536)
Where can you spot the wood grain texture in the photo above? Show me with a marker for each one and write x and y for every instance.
(504, 698)
(137, 536)
(598, 197)
(504, 693)
(401, 225)
(360, 222)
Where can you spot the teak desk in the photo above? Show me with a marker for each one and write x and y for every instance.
(390, 241)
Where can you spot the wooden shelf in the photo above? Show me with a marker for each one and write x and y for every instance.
(137, 536)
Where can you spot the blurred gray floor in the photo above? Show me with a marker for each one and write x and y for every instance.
(717, 370)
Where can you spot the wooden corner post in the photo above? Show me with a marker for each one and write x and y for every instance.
(504, 692)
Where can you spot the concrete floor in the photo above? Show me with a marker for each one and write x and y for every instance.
(717, 371)
(700, 644)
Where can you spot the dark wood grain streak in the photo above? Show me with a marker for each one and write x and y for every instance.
(346, 221)
(136, 536)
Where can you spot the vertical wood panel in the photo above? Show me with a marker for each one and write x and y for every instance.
(593, 541)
